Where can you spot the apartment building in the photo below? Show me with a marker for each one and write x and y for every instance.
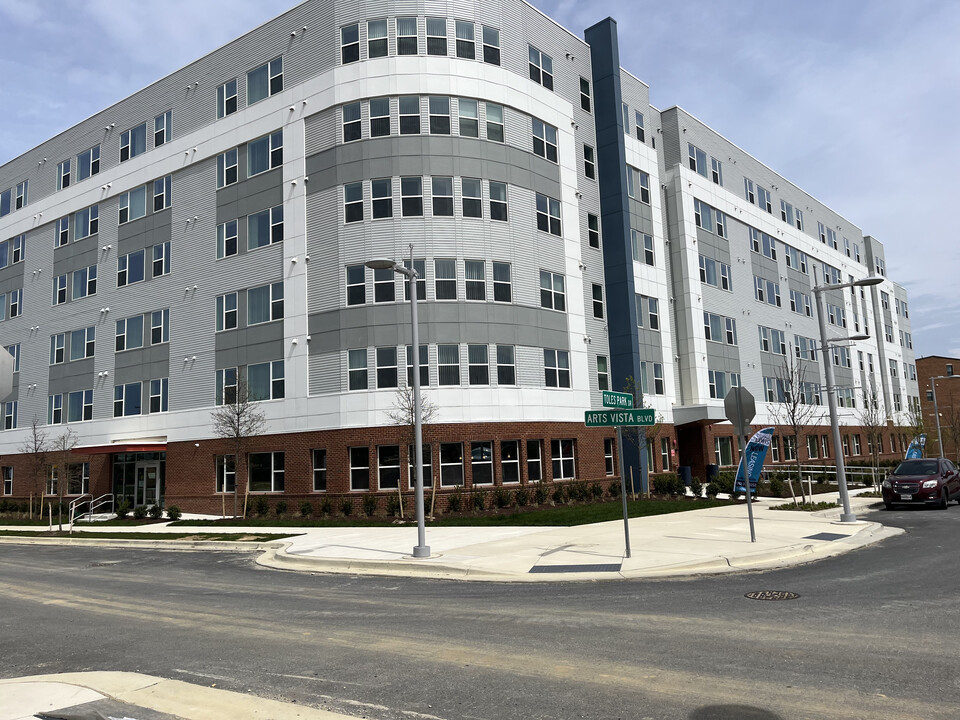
(209, 234)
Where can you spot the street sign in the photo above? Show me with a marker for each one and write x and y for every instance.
(617, 400)
(612, 418)
(740, 414)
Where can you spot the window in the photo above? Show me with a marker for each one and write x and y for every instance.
(491, 45)
(466, 46)
(411, 196)
(227, 99)
(349, 44)
(319, 470)
(642, 247)
(469, 118)
(723, 451)
(552, 294)
(423, 364)
(799, 224)
(384, 287)
(451, 464)
(351, 122)
(648, 311)
(356, 285)
(638, 123)
(506, 365)
(88, 163)
(786, 212)
(357, 369)
(353, 202)
(709, 273)
(16, 303)
(589, 163)
(534, 464)
(556, 365)
(717, 382)
(762, 243)
(541, 68)
(436, 36)
(697, 159)
(158, 395)
(448, 364)
(62, 228)
(379, 118)
(227, 311)
(593, 230)
(227, 168)
(439, 111)
(382, 194)
(426, 468)
(226, 473)
(161, 259)
(766, 291)
(265, 303)
(14, 351)
(410, 115)
(127, 399)
(226, 386)
(481, 462)
(386, 367)
(406, 36)
(388, 467)
(494, 122)
(130, 268)
(795, 259)
(445, 279)
(498, 201)
(376, 38)
(59, 289)
(471, 200)
(86, 222)
(603, 374)
(162, 128)
(638, 184)
(63, 175)
(18, 243)
(57, 351)
(420, 267)
(564, 460)
(82, 343)
(265, 381)
(133, 205)
(476, 284)
(265, 154)
(162, 193)
(265, 228)
(548, 214)
(227, 239)
(763, 199)
(442, 191)
(800, 303)
(544, 140)
(716, 171)
(266, 472)
(478, 370)
(585, 94)
(772, 341)
(133, 142)
(55, 409)
(597, 301)
(7, 473)
(129, 333)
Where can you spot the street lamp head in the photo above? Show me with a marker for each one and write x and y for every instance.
(859, 337)
(868, 281)
(381, 264)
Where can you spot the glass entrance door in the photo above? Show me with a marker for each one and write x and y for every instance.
(148, 483)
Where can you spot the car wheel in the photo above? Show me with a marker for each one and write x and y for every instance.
(943, 499)
(888, 506)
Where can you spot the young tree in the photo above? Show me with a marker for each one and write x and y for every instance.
(873, 421)
(403, 414)
(61, 454)
(911, 423)
(950, 427)
(797, 410)
(238, 420)
(36, 446)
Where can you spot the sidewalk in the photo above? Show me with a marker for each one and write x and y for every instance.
(713, 540)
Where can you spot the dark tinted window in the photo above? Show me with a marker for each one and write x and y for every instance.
(917, 467)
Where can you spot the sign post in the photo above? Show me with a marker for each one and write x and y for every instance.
(741, 408)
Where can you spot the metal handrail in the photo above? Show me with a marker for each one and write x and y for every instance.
(74, 503)
(94, 504)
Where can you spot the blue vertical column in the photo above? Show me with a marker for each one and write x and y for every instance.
(622, 334)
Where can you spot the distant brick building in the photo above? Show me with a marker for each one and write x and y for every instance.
(937, 369)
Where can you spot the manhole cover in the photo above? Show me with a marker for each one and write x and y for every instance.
(771, 595)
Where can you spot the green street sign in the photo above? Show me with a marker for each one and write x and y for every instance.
(612, 418)
(617, 400)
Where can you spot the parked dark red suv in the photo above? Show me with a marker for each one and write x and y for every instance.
(928, 481)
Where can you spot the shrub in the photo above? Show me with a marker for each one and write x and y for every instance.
(696, 487)
(393, 505)
(455, 501)
(578, 490)
(156, 512)
(665, 484)
(712, 489)
(306, 509)
(522, 497)
(502, 498)
(140, 512)
(261, 506)
(478, 500)
(776, 486)
(540, 492)
(725, 481)
(596, 490)
(346, 506)
(4, 506)
(370, 503)
(173, 512)
(558, 495)
(326, 507)
(281, 507)
(122, 509)
(614, 489)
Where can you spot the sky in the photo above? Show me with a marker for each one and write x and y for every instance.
(855, 101)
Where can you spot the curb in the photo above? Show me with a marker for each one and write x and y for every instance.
(117, 543)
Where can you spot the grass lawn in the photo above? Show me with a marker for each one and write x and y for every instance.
(207, 537)
(9, 521)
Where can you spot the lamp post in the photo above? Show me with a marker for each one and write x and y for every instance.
(936, 410)
(421, 549)
(847, 516)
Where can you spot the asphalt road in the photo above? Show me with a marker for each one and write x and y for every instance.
(874, 634)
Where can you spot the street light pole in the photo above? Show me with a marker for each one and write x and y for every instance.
(847, 516)
(936, 414)
(421, 549)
